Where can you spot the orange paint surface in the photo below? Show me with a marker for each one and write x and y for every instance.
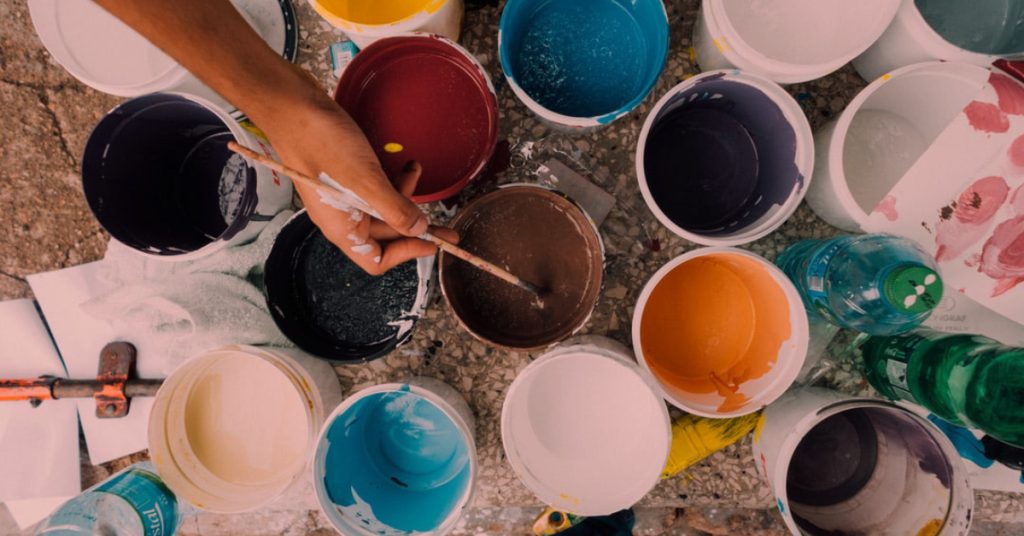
(713, 323)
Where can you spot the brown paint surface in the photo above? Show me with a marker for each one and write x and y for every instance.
(539, 236)
(713, 323)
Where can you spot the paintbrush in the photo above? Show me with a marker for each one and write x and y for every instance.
(346, 199)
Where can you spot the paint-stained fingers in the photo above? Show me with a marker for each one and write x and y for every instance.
(397, 209)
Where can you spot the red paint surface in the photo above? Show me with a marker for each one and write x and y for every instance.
(1002, 257)
(422, 93)
(986, 117)
(887, 208)
(1017, 200)
(1016, 151)
(971, 216)
(1010, 93)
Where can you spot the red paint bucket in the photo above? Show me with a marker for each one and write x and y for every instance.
(427, 99)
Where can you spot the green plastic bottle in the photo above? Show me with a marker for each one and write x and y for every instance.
(968, 380)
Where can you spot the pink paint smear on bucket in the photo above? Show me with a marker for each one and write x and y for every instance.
(963, 222)
(987, 117)
(887, 208)
(1009, 93)
(1002, 257)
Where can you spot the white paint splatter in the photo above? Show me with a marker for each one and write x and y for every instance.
(355, 239)
(363, 249)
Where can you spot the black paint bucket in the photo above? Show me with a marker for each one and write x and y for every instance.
(160, 179)
(328, 306)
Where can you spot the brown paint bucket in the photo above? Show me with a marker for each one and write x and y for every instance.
(544, 238)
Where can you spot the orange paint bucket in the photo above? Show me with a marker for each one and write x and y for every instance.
(722, 330)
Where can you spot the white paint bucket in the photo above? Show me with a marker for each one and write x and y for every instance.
(108, 55)
(862, 154)
(724, 158)
(232, 429)
(585, 429)
(788, 41)
(160, 179)
(912, 38)
(397, 459)
(365, 21)
(842, 465)
(722, 330)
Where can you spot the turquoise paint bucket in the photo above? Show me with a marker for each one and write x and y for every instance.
(397, 459)
(582, 63)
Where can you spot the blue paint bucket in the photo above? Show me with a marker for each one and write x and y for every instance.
(725, 158)
(397, 459)
(582, 63)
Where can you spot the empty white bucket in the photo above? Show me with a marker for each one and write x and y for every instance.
(585, 429)
(788, 41)
(843, 465)
(975, 31)
(233, 429)
(860, 156)
(365, 21)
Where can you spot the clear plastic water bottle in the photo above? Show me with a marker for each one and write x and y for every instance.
(134, 502)
(877, 284)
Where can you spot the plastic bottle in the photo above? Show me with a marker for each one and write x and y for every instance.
(967, 380)
(877, 284)
(133, 502)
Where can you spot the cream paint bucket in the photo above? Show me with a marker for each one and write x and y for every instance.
(864, 153)
(397, 459)
(842, 465)
(233, 429)
(108, 55)
(788, 41)
(585, 428)
(975, 32)
(365, 21)
(722, 330)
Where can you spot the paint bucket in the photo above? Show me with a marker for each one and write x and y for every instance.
(540, 236)
(864, 153)
(842, 465)
(582, 63)
(328, 306)
(724, 158)
(427, 99)
(949, 30)
(366, 21)
(160, 179)
(585, 428)
(397, 459)
(233, 429)
(722, 330)
(788, 41)
(106, 54)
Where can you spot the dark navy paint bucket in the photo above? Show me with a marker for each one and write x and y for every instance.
(160, 179)
(582, 63)
(725, 158)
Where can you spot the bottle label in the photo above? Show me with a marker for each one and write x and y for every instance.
(155, 504)
(816, 270)
(896, 372)
(897, 353)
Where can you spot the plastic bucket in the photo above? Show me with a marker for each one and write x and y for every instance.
(160, 179)
(724, 158)
(864, 153)
(842, 465)
(108, 55)
(582, 63)
(328, 306)
(540, 236)
(427, 99)
(722, 330)
(233, 428)
(788, 41)
(585, 428)
(397, 459)
(365, 21)
(976, 32)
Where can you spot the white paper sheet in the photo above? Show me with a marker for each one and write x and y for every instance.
(80, 338)
(38, 446)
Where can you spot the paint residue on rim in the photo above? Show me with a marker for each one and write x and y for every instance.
(378, 12)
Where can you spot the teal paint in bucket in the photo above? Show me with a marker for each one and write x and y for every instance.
(396, 459)
(983, 26)
(583, 63)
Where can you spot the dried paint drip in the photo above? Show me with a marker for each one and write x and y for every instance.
(542, 238)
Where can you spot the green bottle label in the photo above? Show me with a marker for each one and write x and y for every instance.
(149, 497)
(896, 353)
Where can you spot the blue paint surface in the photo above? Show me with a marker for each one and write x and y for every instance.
(395, 462)
(983, 26)
(584, 58)
(969, 447)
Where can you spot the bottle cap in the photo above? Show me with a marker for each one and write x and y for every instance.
(914, 288)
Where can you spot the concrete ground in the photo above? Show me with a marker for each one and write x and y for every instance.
(46, 225)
